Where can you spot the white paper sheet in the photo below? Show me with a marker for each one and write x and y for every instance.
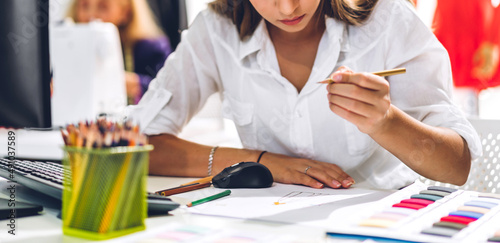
(341, 210)
(282, 202)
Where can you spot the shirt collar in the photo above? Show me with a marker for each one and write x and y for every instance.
(335, 29)
(334, 45)
(255, 41)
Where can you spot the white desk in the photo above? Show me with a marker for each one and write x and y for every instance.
(47, 227)
(308, 222)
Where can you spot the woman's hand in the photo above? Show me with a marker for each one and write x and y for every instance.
(361, 98)
(307, 172)
(132, 84)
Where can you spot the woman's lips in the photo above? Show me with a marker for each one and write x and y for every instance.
(292, 21)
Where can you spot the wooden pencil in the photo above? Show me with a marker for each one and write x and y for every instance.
(390, 72)
(181, 189)
(383, 73)
(202, 180)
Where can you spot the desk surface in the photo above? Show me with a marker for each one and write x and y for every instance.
(47, 227)
(306, 218)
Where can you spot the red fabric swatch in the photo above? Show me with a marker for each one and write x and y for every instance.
(418, 201)
(409, 205)
(458, 219)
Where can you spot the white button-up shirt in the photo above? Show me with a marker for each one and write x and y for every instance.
(270, 114)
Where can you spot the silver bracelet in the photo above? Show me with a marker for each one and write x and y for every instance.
(211, 160)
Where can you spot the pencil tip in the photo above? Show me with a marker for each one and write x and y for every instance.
(326, 81)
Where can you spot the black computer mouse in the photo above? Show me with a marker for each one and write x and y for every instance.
(244, 175)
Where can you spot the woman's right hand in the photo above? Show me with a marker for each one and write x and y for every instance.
(307, 172)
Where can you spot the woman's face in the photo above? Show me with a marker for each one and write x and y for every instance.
(288, 15)
(113, 11)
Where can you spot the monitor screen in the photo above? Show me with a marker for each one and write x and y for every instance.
(24, 64)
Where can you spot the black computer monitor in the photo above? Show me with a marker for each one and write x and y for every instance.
(24, 64)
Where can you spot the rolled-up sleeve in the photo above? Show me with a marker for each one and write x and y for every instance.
(425, 92)
(189, 76)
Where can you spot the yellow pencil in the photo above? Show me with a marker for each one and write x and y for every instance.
(115, 193)
(200, 181)
(383, 73)
(390, 72)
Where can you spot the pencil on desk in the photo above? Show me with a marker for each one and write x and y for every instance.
(383, 73)
(210, 198)
(181, 189)
(202, 180)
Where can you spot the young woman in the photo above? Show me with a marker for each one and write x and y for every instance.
(144, 45)
(266, 58)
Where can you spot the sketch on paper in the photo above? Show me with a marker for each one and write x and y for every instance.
(296, 196)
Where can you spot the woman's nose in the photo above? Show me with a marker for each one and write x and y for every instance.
(287, 7)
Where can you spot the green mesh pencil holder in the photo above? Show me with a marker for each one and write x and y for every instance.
(104, 192)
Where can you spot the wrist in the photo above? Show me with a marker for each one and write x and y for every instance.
(211, 160)
(387, 123)
(260, 156)
(224, 157)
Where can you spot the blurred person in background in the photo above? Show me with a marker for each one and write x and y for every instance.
(145, 47)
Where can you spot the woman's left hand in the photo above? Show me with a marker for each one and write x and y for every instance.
(361, 98)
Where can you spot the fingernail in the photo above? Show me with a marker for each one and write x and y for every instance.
(346, 183)
(320, 185)
(352, 180)
(337, 77)
(336, 184)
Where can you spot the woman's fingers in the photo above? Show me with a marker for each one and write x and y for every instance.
(363, 109)
(365, 80)
(342, 69)
(325, 177)
(288, 175)
(364, 96)
(329, 174)
(308, 181)
(360, 98)
(306, 172)
(355, 92)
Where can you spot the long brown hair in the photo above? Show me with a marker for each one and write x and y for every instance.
(246, 18)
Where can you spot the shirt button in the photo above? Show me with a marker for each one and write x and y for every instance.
(298, 114)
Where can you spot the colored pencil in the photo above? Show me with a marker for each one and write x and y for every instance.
(181, 189)
(202, 180)
(115, 193)
(379, 73)
(210, 198)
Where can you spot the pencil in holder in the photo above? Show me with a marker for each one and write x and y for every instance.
(104, 193)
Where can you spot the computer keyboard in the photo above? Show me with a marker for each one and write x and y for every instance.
(47, 178)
